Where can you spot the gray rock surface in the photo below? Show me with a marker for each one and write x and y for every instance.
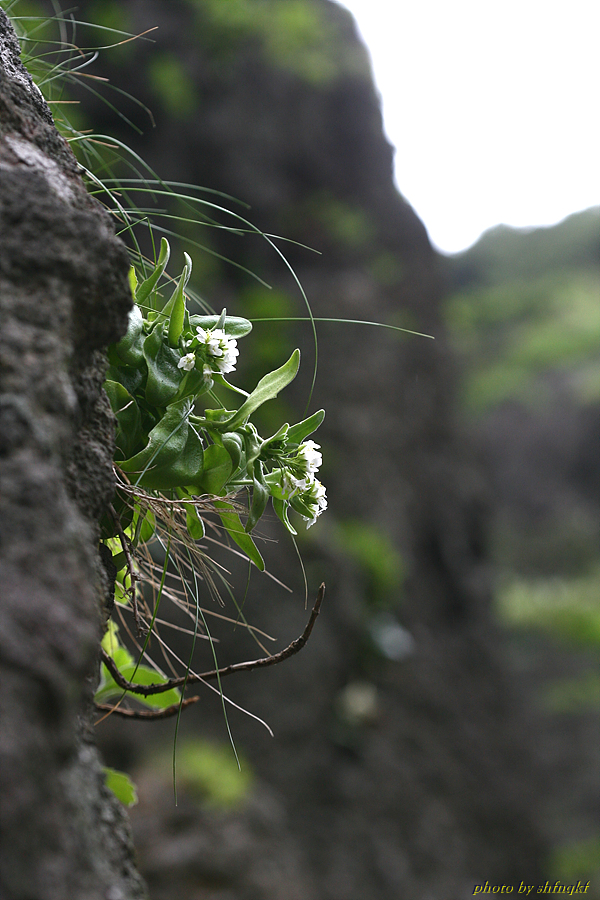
(64, 295)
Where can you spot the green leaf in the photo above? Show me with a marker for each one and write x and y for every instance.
(267, 389)
(166, 442)
(147, 527)
(215, 417)
(297, 433)
(219, 379)
(121, 785)
(233, 526)
(176, 321)
(164, 376)
(234, 444)
(218, 467)
(147, 286)
(233, 326)
(121, 595)
(260, 497)
(140, 675)
(131, 379)
(281, 508)
(137, 674)
(129, 421)
(274, 481)
(280, 436)
(133, 282)
(179, 288)
(141, 529)
(252, 443)
(193, 384)
(297, 503)
(195, 525)
(129, 348)
(185, 470)
(119, 560)
(110, 643)
(175, 308)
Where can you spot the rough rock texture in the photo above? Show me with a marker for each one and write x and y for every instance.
(433, 788)
(64, 295)
(189, 850)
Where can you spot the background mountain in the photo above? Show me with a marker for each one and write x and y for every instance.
(508, 254)
(525, 320)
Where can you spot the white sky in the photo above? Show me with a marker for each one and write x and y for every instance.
(493, 107)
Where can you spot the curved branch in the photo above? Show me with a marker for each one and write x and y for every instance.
(147, 690)
(165, 713)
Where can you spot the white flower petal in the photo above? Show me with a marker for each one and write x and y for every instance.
(317, 500)
(309, 451)
(187, 362)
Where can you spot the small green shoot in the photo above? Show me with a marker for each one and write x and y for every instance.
(121, 785)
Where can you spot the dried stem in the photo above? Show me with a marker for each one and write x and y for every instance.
(147, 690)
(165, 713)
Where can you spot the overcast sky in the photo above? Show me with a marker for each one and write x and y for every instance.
(493, 107)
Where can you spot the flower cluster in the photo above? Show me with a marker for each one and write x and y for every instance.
(316, 501)
(301, 484)
(166, 441)
(301, 468)
(213, 349)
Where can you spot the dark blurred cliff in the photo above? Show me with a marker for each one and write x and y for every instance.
(402, 762)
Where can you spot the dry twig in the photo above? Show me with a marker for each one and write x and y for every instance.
(147, 714)
(148, 690)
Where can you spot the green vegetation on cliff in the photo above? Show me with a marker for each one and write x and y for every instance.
(525, 305)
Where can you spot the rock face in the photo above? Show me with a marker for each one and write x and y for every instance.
(64, 295)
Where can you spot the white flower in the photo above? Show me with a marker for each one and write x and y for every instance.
(220, 347)
(310, 451)
(290, 484)
(227, 362)
(300, 474)
(210, 339)
(316, 499)
(187, 362)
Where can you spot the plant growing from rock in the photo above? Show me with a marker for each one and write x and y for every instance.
(181, 464)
